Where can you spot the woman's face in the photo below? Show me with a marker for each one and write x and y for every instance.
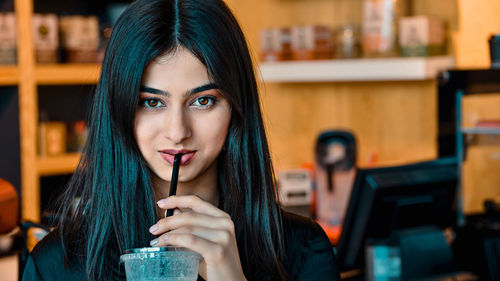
(180, 111)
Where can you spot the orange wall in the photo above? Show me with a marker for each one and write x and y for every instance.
(477, 21)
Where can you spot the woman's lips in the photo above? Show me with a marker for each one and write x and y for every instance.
(187, 155)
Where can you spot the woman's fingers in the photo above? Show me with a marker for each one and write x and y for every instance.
(212, 252)
(192, 202)
(176, 212)
(192, 219)
(218, 236)
(204, 229)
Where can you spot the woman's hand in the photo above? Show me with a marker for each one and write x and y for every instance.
(205, 229)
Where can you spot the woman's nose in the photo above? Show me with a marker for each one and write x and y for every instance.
(177, 127)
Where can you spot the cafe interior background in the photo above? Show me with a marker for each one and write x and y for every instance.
(338, 95)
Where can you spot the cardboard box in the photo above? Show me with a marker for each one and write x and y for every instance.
(275, 44)
(422, 36)
(46, 37)
(52, 138)
(311, 42)
(80, 38)
(8, 52)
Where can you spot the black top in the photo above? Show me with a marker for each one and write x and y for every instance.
(309, 255)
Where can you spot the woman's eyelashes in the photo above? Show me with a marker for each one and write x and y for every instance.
(204, 101)
(151, 103)
(201, 102)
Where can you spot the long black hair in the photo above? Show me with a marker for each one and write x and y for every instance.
(116, 199)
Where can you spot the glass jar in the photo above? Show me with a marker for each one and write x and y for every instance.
(347, 42)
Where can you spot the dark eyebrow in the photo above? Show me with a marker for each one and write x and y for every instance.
(201, 89)
(196, 90)
(153, 91)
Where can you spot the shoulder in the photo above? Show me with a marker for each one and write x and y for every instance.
(49, 246)
(300, 231)
(309, 254)
(301, 226)
(48, 259)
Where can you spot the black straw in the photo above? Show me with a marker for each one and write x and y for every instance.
(173, 180)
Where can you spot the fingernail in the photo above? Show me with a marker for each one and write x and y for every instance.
(164, 237)
(161, 202)
(153, 228)
(153, 242)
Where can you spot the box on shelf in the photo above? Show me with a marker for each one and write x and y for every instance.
(488, 123)
(46, 37)
(80, 38)
(8, 44)
(422, 36)
(311, 42)
(275, 44)
(52, 138)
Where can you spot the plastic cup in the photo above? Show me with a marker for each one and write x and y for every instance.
(161, 263)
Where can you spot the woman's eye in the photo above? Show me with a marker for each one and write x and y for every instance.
(151, 103)
(204, 101)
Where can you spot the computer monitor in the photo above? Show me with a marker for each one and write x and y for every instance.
(386, 200)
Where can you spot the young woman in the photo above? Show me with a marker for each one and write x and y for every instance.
(177, 78)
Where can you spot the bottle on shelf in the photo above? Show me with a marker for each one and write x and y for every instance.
(379, 26)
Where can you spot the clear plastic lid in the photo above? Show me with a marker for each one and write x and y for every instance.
(155, 250)
(158, 252)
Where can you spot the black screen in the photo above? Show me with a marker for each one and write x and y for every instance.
(384, 200)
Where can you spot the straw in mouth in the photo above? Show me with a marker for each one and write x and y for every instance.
(173, 180)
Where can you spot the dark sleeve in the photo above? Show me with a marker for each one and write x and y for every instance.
(319, 258)
(30, 271)
(47, 262)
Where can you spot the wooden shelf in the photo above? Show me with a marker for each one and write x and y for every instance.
(66, 74)
(9, 75)
(481, 131)
(53, 165)
(383, 69)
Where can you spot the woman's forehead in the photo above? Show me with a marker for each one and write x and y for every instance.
(177, 69)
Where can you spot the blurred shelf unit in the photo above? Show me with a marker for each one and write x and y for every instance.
(67, 74)
(54, 74)
(9, 75)
(28, 75)
(345, 70)
(453, 137)
(481, 131)
(56, 165)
